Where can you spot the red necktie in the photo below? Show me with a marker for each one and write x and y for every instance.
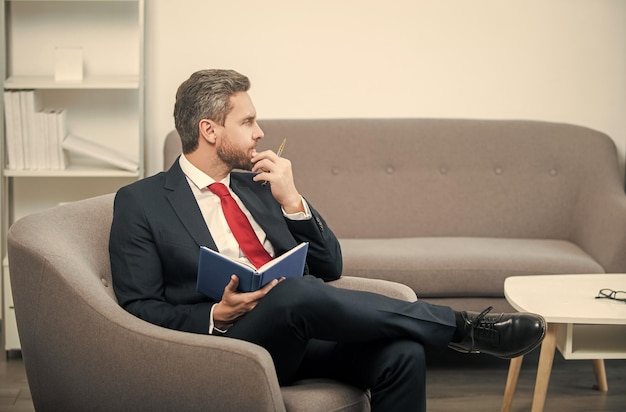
(241, 227)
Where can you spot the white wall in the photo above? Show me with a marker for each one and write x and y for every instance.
(556, 60)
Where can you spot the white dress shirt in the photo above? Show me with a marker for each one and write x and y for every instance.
(209, 204)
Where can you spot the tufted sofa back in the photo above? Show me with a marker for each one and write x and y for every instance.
(386, 178)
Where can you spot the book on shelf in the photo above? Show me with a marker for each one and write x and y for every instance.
(56, 120)
(33, 136)
(215, 270)
(27, 114)
(38, 139)
(13, 126)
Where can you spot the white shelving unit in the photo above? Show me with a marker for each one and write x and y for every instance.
(105, 107)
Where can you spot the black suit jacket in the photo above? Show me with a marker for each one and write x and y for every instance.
(156, 234)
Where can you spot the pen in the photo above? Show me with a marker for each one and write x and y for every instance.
(281, 147)
(278, 153)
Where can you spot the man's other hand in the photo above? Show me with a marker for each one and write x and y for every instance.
(235, 304)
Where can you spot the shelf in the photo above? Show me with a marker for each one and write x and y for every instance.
(71, 172)
(12, 339)
(53, 1)
(48, 82)
(105, 107)
(592, 341)
(79, 165)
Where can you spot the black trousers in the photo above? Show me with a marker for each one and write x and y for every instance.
(312, 329)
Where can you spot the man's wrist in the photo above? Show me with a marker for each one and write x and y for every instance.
(216, 325)
(302, 214)
(222, 326)
(297, 206)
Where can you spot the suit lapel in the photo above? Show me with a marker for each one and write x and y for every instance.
(185, 206)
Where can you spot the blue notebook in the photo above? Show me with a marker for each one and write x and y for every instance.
(215, 270)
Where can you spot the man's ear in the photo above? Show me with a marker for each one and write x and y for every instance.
(206, 130)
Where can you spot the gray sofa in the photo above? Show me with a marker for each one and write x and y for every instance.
(83, 352)
(453, 207)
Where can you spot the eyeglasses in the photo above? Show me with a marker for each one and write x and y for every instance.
(612, 294)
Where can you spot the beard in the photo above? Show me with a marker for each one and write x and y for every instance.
(233, 157)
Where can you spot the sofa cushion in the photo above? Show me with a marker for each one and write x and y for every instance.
(324, 395)
(461, 266)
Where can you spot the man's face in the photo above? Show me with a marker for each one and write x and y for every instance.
(239, 136)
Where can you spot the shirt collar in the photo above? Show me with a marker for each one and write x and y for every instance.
(197, 177)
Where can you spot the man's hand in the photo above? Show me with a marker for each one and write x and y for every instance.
(277, 170)
(236, 304)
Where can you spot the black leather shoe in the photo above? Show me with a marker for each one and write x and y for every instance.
(505, 335)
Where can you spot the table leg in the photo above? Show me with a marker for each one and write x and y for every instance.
(600, 372)
(511, 383)
(546, 357)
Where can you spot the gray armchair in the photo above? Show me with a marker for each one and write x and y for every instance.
(82, 351)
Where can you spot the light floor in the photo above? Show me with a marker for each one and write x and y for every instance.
(456, 382)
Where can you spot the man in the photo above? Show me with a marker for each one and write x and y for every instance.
(310, 329)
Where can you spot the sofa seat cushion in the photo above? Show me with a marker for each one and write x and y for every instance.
(461, 266)
(324, 395)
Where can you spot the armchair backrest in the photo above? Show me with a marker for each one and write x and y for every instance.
(79, 250)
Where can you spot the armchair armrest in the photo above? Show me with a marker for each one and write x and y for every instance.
(383, 287)
(208, 372)
(75, 336)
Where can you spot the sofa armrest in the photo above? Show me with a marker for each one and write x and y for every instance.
(383, 287)
(600, 227)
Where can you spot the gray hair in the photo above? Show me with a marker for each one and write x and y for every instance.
(205, 95)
